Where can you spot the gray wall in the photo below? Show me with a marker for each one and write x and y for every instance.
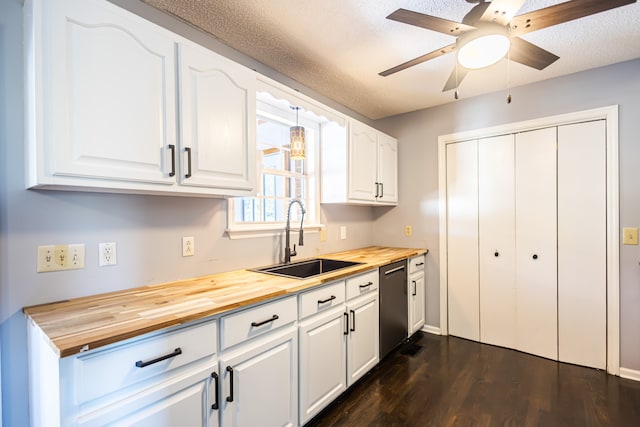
(147, 229)
(418, 134)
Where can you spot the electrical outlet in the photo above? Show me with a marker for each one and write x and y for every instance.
(188, 246)
(630, 236)
(407, 230)
(343, 232)
(107, 254)
(323, 235)
(60, 257)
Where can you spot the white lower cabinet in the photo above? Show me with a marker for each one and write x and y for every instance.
(259, 376)
(416, 294)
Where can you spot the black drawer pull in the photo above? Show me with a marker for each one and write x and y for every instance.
(264, 322)
(366, 285)
(415, 288)
(176, 352)
(419, 264)
(331, 298)
(230, 397)
(173, 159)
(214, 375)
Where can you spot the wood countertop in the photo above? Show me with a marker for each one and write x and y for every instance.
(82, 324)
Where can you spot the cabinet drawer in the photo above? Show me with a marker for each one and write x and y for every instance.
(322, 299)
(416, 264)
(110, 370)
(253, 322)
(362, 284)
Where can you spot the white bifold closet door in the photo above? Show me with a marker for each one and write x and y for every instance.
(536, 243)
(582, 254)
(462, 239)
(496, 224)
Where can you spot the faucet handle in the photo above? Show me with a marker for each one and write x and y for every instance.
(293, 252)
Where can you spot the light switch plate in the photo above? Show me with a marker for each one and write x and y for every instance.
(630, 236)
(343, 232)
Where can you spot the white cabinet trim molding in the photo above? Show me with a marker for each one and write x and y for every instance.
(610, 114)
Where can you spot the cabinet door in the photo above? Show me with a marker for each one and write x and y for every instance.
(497, 240)
(582, 244)
(259, 383)
(108, 94)
(462, 240)
(387, 169)
(416, 302)
(323, 355)
(217, 121)
(536, 243)
(184, 400)
(363, 339)
(363, 145)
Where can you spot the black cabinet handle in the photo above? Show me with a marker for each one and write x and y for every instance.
(535, 256)
(322, 301)
(382, 189)
(264, 322)
(377, 189)
(420, 264)
(415, 288)
(366, 285)
(176, 352)
(346, 323)
(496, 254)
(188, 151)
(353, 320)
(214, 375)
(230, 397)
(173, 159)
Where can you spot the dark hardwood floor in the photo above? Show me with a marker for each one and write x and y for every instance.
(455, 382)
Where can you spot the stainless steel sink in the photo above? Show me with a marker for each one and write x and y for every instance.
(306, 269)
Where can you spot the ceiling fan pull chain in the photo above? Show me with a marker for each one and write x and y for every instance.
(509, 76)
(456, 95)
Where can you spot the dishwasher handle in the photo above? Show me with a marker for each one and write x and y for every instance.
(394, 270)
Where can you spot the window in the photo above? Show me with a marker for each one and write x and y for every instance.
(280, 178)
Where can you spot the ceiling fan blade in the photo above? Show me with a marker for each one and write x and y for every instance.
(429, 22)
(559, 13)
(419, 59)
(454, 81)
(531, 55)
(501, 11)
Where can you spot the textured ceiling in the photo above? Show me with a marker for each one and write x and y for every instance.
(338, 47)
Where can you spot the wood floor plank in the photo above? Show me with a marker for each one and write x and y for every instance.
(455, 382)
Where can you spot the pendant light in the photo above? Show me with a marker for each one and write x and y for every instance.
(296, 135)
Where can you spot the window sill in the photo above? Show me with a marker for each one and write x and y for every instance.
(266, 230)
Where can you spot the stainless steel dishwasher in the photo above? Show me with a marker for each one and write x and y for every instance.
(393, 306)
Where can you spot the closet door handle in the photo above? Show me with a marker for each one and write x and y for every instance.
(535, 256)
(173, 159)
(188, 151)
(264, 322)
(496, 254)
(353, 320)
(215, 377)
(230, 397)
(176, 352)
(415, 288)
(346, 323)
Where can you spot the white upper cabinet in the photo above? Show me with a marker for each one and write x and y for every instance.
(359, 166)
(101, 106)
(217, 111)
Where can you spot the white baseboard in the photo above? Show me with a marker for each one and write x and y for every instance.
(630, 374)
(431, 329)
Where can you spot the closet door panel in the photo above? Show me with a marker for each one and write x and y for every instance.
(497, 240)
(582, 256)
(536, 242)
(462, 239)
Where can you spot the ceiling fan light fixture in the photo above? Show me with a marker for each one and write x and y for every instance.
(483, 47)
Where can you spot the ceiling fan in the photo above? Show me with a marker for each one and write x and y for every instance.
(491, 30)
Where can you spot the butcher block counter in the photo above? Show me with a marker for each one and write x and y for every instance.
(82, 324)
